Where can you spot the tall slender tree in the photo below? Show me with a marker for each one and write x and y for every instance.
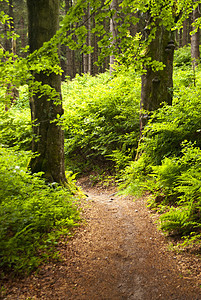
(195, 39)
(48, 141)
(113, 30)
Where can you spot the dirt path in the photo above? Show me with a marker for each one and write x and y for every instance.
(117, 255)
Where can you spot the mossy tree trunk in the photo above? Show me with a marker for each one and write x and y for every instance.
(48, 139)
(157, 85)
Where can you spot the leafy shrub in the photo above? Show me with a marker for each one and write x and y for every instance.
(182, 56)
(101, 117)
(15, 128)
(180, 178)
(163, 136)
(170, 163)
(171, 125)
(166, 175)
(134, 176)
(32, 214)
(23, 100)
(185, 76)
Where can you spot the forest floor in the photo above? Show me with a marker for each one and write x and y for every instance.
(116, 254)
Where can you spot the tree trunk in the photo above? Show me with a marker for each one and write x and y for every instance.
(89, 41)
(113, 30)
(23, 34)
(70, 58)
(95, 53)
(185, 33)
(85, 56)
(157, 85)
(48, 141)
(195, 39)
(180, 37)
(9, 27)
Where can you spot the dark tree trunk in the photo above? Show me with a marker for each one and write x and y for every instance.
(9, 27)
(180, 37)
(48, 139)
(157, 85)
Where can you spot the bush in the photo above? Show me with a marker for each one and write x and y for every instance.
(32, 214)
(15, 128)
(101, 117)
(134, 176)
(188, 187)
(179, 180)
(170, 160)
(171, 125)
(182, 56)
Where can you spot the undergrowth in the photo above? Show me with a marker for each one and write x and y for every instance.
(101, 127)
(32, 214)
(169, 164)
(101, 120)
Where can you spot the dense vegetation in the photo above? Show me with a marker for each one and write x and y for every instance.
(101, 125)
(30, 210)
(169, 156)
(101, 119)
(33, 215)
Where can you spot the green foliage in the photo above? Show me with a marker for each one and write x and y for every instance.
(182, 56)
(169, 160)
(166, 175)
(120, 158)
(134, 176)
(177, 221)
(186, 217)
(23, 100)
(175, 186)
(101, 117)
(101, 123)
(15, 127)
(32, 214)
(171, 125)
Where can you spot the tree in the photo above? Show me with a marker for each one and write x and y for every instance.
(157, 81)
(195, 39)
(185, 33)
(113, 30)
(48, 140)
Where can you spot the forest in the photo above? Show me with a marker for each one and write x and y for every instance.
(111, 89)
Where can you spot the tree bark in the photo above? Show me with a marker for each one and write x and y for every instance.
(85, 56)
(89, 41)
(180, 38)
(195, 39)
(157, 85)
(48, 141)
(185, 33)
(113, 30)
(95, 53)
(23, 34)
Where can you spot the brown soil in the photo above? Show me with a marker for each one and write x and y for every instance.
(118, 254)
